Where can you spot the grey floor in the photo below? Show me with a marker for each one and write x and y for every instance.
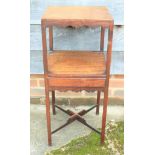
(39, 132)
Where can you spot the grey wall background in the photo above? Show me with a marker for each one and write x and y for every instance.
(76, 39)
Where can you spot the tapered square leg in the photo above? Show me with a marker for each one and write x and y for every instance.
(48, 114)
(98, 102)
(105, 103)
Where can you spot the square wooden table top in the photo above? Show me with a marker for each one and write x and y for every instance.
(73, 14)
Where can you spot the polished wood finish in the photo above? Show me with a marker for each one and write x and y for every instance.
(102, 50)
(77, 16)
(48, 112)
(44, 50)
(75, 70)
(46, 85)
(76, 64)
(105, 101)
(76, 82)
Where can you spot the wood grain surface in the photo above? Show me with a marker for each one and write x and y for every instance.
(116, 7)
(76, 16)
(95, 13)
(76, 83)
(76, 63)
(36, 63)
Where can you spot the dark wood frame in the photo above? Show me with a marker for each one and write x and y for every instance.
(104, 24)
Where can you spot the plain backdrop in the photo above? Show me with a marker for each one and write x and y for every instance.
(139, 77)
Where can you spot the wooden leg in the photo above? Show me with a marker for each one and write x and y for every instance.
(105, 103)
(53, 102)
(102, 39)
(98, 102)
(48, 113)
(51, 38)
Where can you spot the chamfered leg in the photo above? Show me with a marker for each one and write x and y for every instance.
(53, 102)
(98, 102)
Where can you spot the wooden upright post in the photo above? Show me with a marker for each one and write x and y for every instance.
(102, 50)
(105, 101)
(46, 84)
(51, 38)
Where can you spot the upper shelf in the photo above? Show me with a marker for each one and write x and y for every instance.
(77, 16)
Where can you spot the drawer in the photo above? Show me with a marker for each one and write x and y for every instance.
(76, 82)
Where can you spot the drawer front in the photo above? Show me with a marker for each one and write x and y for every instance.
(76, 82)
